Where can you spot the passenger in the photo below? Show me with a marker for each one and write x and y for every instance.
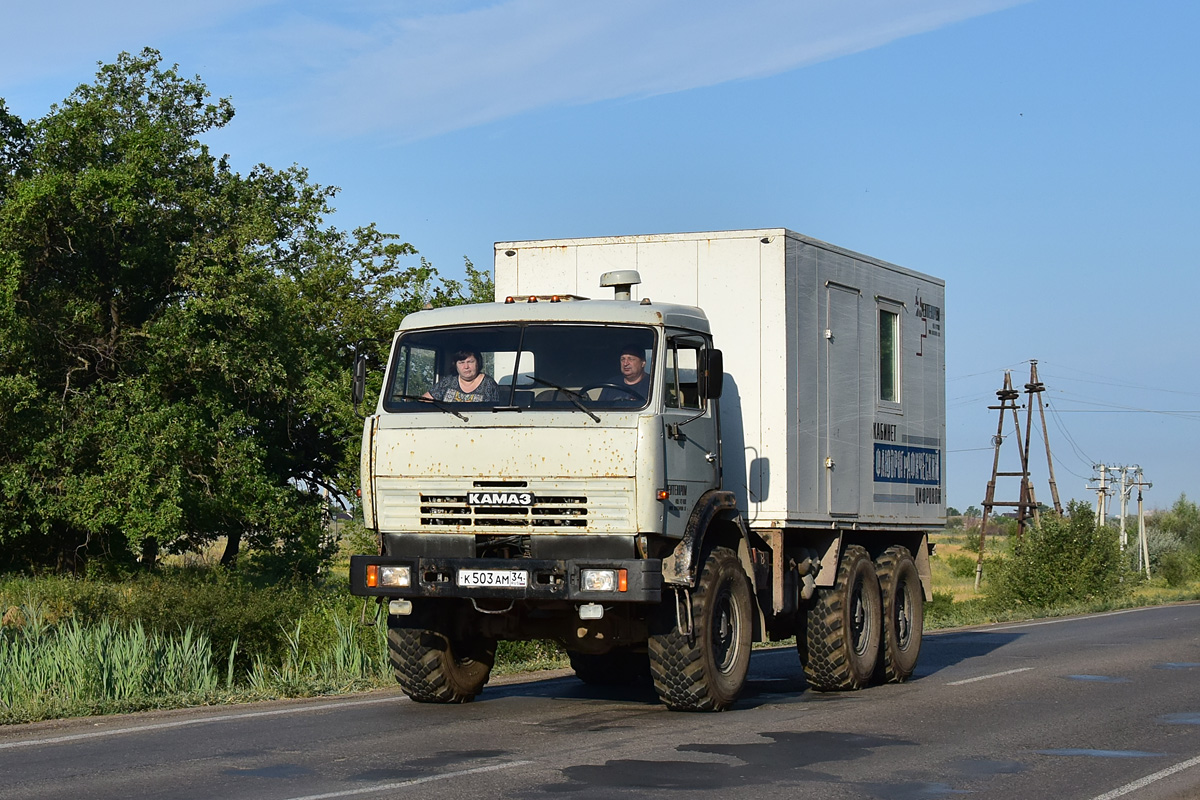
(469, 385)
(634, 386)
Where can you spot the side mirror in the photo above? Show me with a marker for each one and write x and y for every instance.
(358, 387)
(712, 373)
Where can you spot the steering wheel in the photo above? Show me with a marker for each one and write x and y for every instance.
(633, 393)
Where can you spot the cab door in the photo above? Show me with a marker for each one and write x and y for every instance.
(690, 434)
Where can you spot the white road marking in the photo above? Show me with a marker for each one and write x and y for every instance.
(1060, 620)
(386, 787)
(1149, 779)
(985, 677)
(183, 723)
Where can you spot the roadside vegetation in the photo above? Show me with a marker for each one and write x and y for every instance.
(1066, 566)
(71, 647)
(202, 634)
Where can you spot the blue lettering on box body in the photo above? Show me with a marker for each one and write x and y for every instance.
(895, 463)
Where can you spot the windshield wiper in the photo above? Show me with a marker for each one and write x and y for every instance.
(574, 397)
(437, 403)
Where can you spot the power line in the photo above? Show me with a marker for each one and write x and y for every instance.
(1106, 381)
(1083, 478)
(986, 372)
(1189, 414)
(1082, 456)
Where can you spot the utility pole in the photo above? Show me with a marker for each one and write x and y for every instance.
(1130, 477)
(1027, 506)
(1008, 400)
(1145, 545)
(1035, 387)
(1102, 493)
(1125, 489)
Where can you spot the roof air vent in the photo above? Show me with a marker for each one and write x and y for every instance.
(622, 281)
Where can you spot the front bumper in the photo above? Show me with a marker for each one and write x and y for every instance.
(548, 579)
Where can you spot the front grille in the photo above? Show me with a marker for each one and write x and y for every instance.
(595, 505)
(560, 511)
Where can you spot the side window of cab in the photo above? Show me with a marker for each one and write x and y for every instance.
(681, 373)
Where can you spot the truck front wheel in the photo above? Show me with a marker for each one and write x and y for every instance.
(903, 613)
(843, 628)
(432, 668)
(705, 669)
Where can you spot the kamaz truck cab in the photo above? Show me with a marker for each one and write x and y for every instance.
(552, 508)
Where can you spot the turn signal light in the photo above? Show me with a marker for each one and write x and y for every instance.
(623, 581)
(372, 575)
(662, 494)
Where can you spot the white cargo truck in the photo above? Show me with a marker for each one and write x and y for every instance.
(743, 442)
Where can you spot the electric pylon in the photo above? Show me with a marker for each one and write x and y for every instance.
(1026, 505)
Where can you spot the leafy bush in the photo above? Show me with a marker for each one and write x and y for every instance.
(940, 605)
(1159, 543)
(1183, 520)
(961, 566)
(1064, 560)
(1176, 568)
(943, 611)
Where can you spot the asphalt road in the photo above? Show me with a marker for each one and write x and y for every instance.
(1092, 708)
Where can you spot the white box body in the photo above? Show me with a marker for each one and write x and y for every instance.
(818, 427)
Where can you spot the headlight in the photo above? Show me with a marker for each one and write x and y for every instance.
(599, 580)
(605, 579)
(395, 576)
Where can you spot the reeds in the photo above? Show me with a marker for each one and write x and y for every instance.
(71, 667)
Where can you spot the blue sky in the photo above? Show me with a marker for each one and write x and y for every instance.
(1039, 155)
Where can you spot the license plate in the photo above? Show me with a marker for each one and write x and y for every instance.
(504, 578)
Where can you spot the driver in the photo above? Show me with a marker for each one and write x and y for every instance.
(634, 378)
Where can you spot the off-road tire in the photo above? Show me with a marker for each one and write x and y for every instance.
(903, 614)
(705, 671)
(844, 627)
(430, 668)
(618, 667)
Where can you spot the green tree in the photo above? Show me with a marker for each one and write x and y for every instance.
(176, 337)
(1064, 560)
(1182, 520)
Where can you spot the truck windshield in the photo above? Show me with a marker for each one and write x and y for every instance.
(531, 367)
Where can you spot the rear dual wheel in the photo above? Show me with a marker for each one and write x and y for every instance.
(841, 639)
(867, 627)
(903, 614)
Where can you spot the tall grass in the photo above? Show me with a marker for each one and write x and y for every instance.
(64, 668)
(344, 664)
(57, 669)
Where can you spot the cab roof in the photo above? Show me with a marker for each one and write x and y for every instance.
(575, 310)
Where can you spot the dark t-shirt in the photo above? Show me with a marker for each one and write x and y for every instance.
(449, 391)
(638, 392)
